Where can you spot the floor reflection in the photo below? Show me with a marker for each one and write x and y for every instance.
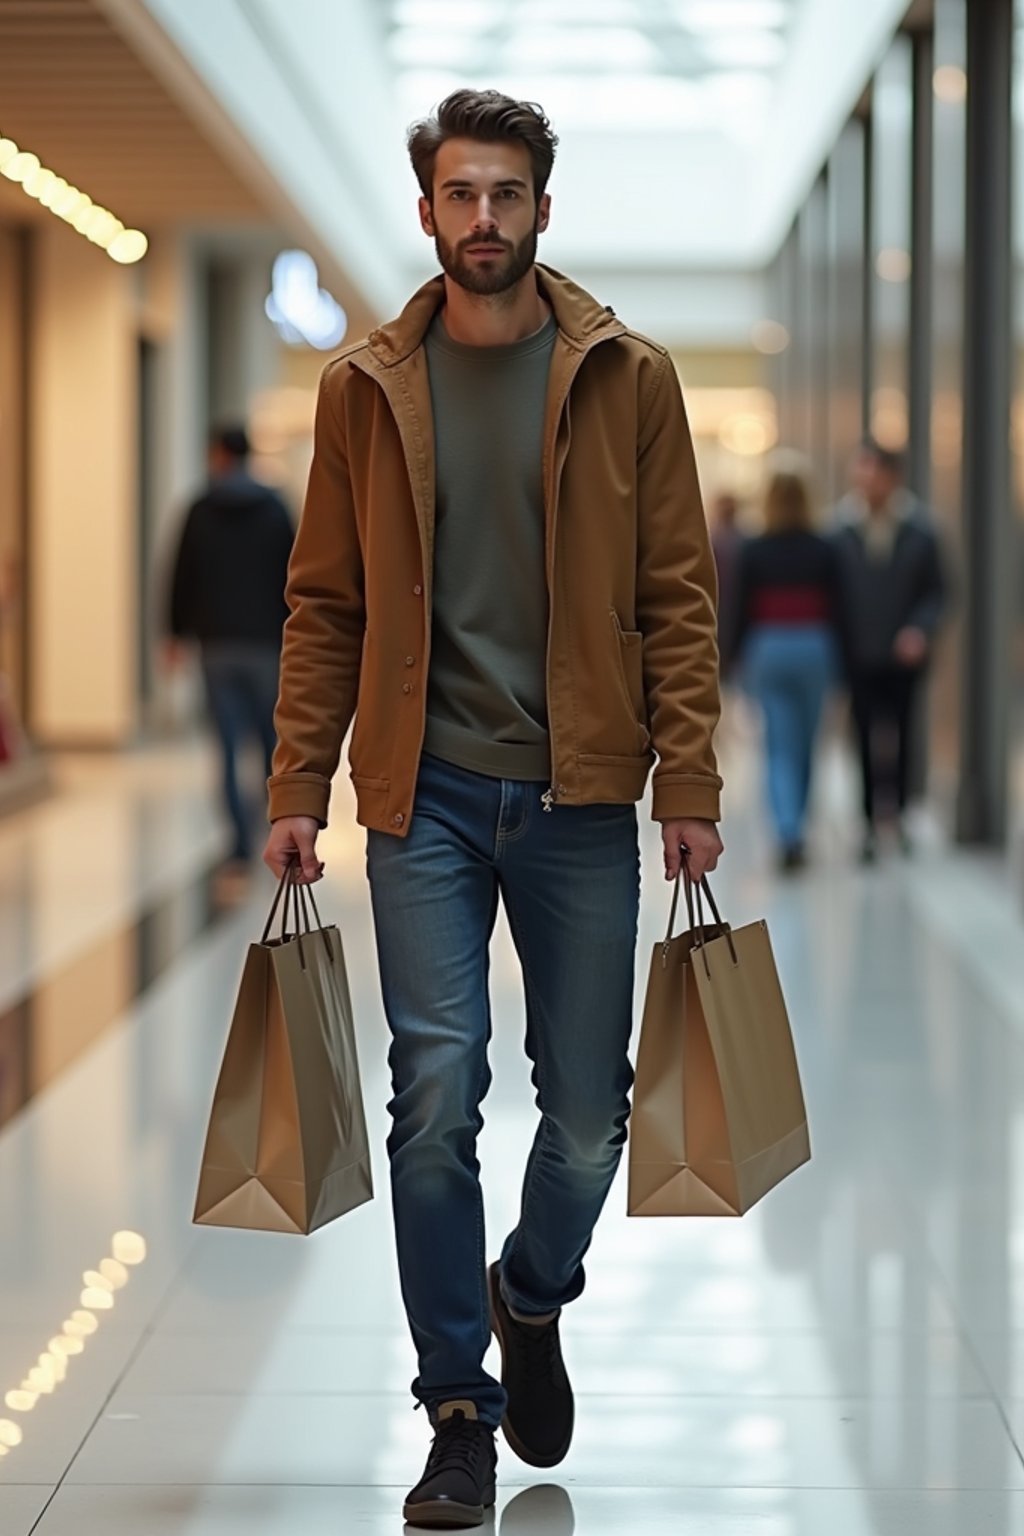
(44, 1032)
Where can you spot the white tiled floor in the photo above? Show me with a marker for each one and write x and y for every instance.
(846, 1361)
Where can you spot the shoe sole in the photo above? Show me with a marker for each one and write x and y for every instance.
(443, 1515)
(531, 1458)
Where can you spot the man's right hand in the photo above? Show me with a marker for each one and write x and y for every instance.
(294, 838)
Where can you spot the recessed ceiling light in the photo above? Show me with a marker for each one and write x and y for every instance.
(76, 208)
(731, 15)
(458, 15)
(417, 46)
(591, 13)
(579, 48)
(745, 50)
(577, 102)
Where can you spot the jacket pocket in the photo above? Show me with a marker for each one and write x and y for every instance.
(629, 671)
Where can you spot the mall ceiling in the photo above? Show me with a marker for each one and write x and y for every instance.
(599, 64)
(74, 93)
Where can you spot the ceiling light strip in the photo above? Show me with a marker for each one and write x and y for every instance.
(90, 219)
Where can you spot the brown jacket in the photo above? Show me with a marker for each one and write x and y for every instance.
(632, 660)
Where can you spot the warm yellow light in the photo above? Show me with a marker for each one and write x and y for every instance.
(84, 1323)
(67, 204)
(97, 1300)
(770, 337)
(107, 233)
(129, 1247)
(55, 1364)
(20, 165)
(746, 434)
(115, 1272)
(893, 264)
(21, 1402)
(37, 183)
(83, 213)
(96, 220)
(90, 219)
(950, 84)
(92, 1277)
(40, 1380)
(10, 1433)
(57, 187)
(130, 246)
(105, 240)
(66, 1345)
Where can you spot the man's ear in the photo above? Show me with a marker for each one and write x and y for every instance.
(544, 213)
(427, 217)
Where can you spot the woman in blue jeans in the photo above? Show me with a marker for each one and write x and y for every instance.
(786, 640)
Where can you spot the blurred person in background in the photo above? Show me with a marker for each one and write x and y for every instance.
(519, 617)
(727, 541)
(786, 641)
(227, 595)
(894, 596)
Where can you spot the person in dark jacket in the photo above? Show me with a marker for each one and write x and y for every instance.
(894, 597)
(786, 641)
(727, 541)
(227, 594)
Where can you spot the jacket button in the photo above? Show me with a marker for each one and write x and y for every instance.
(417, 591)
(410, 661)
(398, 821)
(407, 687)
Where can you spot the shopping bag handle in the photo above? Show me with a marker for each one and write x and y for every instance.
(282, 887)
(301, 893)
(290, 888)
(699, 889)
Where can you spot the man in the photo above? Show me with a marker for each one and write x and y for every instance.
(227, 593)
(893, 595)
(503, 569)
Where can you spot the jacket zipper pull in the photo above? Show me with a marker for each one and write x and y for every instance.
(550, 795)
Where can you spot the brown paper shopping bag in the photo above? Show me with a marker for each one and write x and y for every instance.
(286, 1149)
(718, 1111)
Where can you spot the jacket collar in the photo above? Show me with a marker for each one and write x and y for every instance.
(580, 318)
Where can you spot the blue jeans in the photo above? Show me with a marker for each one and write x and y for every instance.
(241, 691)
(790, 669)
(570, 883)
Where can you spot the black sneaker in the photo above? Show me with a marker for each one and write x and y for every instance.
(539, 1420)
(457, 1485)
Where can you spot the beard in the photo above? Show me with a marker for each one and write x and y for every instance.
(499, 275)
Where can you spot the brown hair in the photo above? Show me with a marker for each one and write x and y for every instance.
(788, 506)
(490, 118)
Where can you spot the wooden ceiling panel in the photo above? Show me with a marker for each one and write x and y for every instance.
(73, 93)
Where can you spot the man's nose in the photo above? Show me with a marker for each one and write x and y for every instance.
(485, 218)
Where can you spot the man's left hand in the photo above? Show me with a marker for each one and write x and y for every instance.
(700, 837)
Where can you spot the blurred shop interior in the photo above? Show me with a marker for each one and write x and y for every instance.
(818, 209)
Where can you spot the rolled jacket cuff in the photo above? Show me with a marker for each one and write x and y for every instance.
(298, 794)
(693, 801)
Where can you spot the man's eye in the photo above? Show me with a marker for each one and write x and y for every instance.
(509, 192)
